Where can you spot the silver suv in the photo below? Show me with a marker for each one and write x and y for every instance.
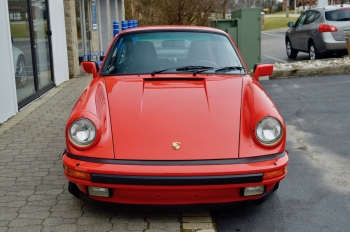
(319, 31)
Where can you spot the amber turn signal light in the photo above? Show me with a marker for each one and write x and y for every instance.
(77, 174)
(275, 173)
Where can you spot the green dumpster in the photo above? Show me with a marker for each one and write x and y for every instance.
(245, 29)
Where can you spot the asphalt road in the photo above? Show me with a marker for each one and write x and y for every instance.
(273, 48)
(315, 195)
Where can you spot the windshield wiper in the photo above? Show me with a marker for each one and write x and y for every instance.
(193, 67)
(229, 68)
(184, 68)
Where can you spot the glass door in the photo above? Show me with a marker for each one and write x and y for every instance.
(22, 49)
(31, 48)
(42, 43)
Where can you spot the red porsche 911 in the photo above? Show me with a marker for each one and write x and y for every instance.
(173, 117)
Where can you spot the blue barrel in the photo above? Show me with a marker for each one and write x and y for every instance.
(130, 24)
(124, 25)
(135, 23)
(115, 28)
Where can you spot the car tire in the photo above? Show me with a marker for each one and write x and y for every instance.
(291, 52)
(73, 189)
(313, 52)
(21, 72)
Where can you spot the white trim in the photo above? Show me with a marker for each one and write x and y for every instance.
(8, 97)
(59, 43)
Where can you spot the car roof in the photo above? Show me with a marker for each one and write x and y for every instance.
(331, 7)
(174, 28)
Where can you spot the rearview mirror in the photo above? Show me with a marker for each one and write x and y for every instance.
(290, 24)
(90, 67)
(262, 70)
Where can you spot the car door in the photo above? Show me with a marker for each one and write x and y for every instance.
(295, 35)
(306, 29)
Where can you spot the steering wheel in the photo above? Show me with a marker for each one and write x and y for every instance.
(205, 63)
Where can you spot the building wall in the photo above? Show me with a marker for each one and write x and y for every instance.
(8, 98)
(59, 44)
(71, 37)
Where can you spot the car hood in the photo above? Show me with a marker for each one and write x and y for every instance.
(199, 115)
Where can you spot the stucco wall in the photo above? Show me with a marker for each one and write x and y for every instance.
(8, 98)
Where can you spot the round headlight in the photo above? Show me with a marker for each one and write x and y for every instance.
(82, 132)
(269, 130)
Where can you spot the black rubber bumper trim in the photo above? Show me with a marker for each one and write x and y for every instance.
(176, 181)
(177, 162)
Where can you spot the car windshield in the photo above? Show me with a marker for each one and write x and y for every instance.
(338, 15)
(172, 52)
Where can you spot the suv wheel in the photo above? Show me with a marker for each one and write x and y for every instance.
(313, 53)
(291, 52)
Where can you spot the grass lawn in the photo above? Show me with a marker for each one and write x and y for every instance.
(277, 22)
(19, 31)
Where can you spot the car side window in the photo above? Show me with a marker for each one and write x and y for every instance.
(301, 20)
(310, 17)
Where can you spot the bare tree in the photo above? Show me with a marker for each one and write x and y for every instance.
(172, 12)
(269, 4)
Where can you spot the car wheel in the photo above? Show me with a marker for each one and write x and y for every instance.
(291, 52)
(313, 53)
(73, 189)
(21, 72)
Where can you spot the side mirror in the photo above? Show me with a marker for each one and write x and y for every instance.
(90, 67)
(262, 70)
(290, 24)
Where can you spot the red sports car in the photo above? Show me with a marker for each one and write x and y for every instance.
(173, 117)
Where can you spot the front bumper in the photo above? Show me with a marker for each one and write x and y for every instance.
(175, 182)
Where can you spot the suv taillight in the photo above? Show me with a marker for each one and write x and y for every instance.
(327, 28)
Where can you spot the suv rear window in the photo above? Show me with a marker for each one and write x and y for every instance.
(338, 15)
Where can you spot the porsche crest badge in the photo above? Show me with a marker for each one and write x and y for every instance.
(176, 145)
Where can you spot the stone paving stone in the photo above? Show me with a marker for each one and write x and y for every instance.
(20, 222)
(196, 219)
(36, 215)
(56, 221)
(161, 230)
(94, 228)
(29, 228)
(8, 216)
(196, 214)
(197, 226)
(136, 225)
(60, 228)
(168, 226)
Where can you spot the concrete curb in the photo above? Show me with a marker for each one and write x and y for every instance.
(322, 71)
(301, 71)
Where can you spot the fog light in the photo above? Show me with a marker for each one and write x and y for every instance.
(253, 190)
(99, 192)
